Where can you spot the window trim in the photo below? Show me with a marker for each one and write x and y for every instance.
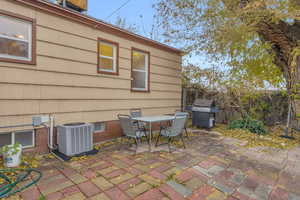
(148, 71)
(33, 38)
(100, 131)
(13, 137)
(116, 44)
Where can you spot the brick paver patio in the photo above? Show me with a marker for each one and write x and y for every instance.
(211, 168)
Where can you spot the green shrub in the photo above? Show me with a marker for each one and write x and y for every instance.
(14, 149)
(254, 126)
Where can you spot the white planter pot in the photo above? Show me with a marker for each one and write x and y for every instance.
(12, 160)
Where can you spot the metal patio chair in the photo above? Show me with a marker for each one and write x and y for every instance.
(137, 112)
(180, 113)
(175, 130)
(130, 130)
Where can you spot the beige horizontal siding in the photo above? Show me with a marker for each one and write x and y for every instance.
(70, 53)
(63, 25)
(22, 91)
(17, 75)
(66, 53)
(65, 81)
(13, 75)
(33, 107)
(17, 8)
(67, 39)
(74, 40)
(167, 92)
(66, 68)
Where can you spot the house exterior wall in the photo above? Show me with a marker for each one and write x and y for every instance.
(64, 81)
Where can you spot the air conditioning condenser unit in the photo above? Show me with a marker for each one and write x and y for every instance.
(74, 139)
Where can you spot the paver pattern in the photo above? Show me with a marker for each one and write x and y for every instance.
(211, 168)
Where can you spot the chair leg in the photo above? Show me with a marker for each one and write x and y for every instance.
(146, 137)
(181, 136)
(121, 143)
(136, 143)
(129, 141)
(145, 134)
(169, 145)
(186, 133)
(157, 140)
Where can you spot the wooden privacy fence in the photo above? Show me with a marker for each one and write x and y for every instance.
(268, 106)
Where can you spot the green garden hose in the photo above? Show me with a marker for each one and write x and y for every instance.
(11, 187)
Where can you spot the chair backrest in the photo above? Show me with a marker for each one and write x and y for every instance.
(136, 112)
(127, 125)
(178, 125)
(180, 113)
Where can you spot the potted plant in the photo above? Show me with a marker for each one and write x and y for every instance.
(11, 154)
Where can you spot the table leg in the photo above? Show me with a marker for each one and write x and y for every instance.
(150, 136)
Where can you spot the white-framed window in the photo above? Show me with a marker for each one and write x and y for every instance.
(99, 127)
(24, 137)
(16, 37)
(140, 70)
(107, 57)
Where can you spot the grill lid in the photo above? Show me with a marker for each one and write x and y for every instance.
(204, 103)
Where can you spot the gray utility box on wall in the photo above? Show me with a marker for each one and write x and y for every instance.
(75, 139)
(204, 113)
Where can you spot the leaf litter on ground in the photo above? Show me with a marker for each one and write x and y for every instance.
(272, 139)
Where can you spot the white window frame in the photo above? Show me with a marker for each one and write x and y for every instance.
(13, 137)
(114, 58)
(29, 41)
(102, 130)
(146, 71)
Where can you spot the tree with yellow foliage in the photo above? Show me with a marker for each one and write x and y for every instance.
(258, 39)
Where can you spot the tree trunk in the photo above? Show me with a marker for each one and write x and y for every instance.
(284, 40)
(297, 99)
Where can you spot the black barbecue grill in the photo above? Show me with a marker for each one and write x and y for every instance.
(204, 113)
